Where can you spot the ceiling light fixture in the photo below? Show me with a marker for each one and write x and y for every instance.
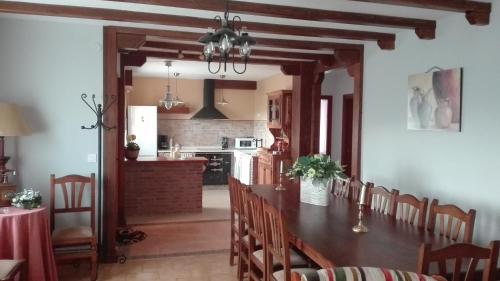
(168, 101)
(222, 99)
(177, 100)
(229, 36)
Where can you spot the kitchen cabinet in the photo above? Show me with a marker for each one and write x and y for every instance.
(279, 108)
(269, 166)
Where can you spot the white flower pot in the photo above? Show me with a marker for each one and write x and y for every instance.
(317, 193)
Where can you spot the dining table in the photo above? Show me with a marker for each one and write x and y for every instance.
(25, 235)
(325, 235)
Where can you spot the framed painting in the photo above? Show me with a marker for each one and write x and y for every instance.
(435, 100)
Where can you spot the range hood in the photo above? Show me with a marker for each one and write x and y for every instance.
(208, 111)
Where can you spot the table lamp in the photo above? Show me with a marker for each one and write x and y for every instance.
(11, 125)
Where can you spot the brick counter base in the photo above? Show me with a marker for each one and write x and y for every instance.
(163, 187)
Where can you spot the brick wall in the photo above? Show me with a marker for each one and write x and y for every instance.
(162, 187)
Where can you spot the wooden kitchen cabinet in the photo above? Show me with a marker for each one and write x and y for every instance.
(269, 166)
(279, 109)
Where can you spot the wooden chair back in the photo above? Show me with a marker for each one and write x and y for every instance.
(72, 196)
(382, 200)
(233, 197)
(276, 245)
(255, 218)
(243, 192)
(451, 219)
(459, 253)
(411, 210)
(341, 187)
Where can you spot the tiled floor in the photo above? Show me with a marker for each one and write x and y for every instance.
(206, 267)
(180, 239)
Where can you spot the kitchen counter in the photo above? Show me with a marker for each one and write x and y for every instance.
(158, 185)
(165, 160)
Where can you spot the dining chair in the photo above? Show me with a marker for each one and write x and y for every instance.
(9, 269)
(243, 239)
(341, 187)
(382, 200)
(277, 248)
(459, 253)
(411, 210)
(234, 216)
(451, 219)
(65, 240)
(363, 273)
(256, 266)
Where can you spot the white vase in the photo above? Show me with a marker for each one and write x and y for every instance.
(315, 193)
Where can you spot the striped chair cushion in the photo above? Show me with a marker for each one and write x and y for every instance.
(364, 274)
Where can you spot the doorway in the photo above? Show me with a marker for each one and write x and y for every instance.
(325, 125)
(346, 146)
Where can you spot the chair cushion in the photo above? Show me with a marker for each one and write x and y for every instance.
(362, 273)
(296, 260)
(69, 235)
(7, 268)
(280, 275)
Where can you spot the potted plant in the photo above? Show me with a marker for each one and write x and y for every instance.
(27, 199)
(132, 148)
(315, 172)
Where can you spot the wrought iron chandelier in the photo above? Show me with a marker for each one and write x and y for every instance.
(226, 39)
(168, 101)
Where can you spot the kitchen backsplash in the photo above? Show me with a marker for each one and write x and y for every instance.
(210, 132)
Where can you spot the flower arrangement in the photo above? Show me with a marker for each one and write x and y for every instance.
(318, 168)
(27, 199)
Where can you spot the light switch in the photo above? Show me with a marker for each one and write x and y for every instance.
(91, 158)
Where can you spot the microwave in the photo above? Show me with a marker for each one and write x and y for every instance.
(245, 143)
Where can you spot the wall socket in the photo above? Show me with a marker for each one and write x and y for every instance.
(91, 158)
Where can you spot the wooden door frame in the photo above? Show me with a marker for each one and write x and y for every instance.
(329, 128)
(115, 38)
(344, 128)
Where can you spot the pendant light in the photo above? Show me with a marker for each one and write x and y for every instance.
(222, 101)
(177, 100)
(168, 101)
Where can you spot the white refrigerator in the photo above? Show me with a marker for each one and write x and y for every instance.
(142, 122)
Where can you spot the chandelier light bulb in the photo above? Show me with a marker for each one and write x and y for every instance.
(225, 45)
(245, 50)
(209, 50)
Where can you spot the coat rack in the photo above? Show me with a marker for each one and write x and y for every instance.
(99, 111)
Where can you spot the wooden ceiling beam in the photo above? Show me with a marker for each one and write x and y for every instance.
(383, 39)
(191, 57)
(290, 12)
(263, 53)
(261, 41)
(235, 84)
(477, 13)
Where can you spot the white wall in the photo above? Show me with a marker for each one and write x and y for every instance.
(45, 66)
(337, 83)
(458, 168)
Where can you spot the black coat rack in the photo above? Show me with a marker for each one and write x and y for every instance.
(99, 111)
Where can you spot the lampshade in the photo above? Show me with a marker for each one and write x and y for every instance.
(11, 122)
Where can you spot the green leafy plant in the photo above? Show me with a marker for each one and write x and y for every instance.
(27, 199)
(131, 145)
(318, 168)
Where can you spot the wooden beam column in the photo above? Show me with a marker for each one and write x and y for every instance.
(110, 148)
(304, 108)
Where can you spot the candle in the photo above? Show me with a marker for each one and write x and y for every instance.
(362, 198)
(282, 167)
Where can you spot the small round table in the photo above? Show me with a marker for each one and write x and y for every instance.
(25, 234)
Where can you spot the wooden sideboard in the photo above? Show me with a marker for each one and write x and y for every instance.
(6, 188)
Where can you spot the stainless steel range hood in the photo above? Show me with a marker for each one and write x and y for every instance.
(208, 111)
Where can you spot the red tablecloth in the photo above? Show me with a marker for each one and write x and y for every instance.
(25, 234)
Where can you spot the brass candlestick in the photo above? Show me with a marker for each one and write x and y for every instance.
(280, 186)
(360, 227)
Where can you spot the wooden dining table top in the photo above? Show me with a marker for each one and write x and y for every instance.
(325, 234)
